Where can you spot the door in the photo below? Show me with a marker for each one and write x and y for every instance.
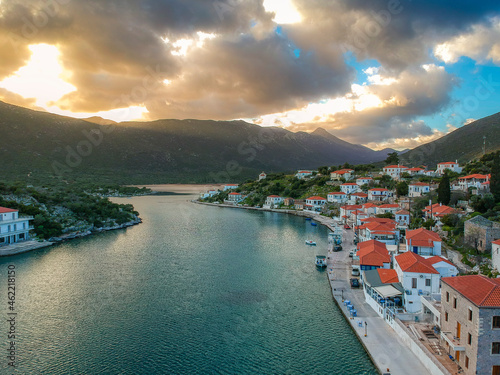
(458, 330)
(415, 249)
(457, 356)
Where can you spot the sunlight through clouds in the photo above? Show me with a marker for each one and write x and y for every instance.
(284, 11)
(42, 78)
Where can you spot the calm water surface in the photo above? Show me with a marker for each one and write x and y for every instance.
(192, 290)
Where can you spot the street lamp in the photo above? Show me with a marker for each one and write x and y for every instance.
(342, 290)
(366, 330)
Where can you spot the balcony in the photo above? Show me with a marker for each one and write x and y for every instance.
(453, 341)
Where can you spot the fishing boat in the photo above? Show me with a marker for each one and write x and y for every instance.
(313, 223)
(308, 218)
(310, 242)
(320, 261)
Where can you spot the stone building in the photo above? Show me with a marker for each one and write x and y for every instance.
(480, 233)
(470, 322)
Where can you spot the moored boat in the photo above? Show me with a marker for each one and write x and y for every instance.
(313, 223)
(310, 242)
(320, 261)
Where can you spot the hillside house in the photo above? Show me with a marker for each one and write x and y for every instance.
(395, 171)
(234, 197)
(402, 218)
(337, 197)
(346, 174)
(262, 176)
(349, 187)
(472, 181)
(359, 197)
(480, 232)
(422, 241)
(415, 171)
(417, 189)
(230, 187)
(449, 165)
(495, 254)
(385, 208)
(273, 201)
(13, 228)
(364, 181)
(303, 174)
(378, 194)
(373, 254)
(380, 229)
(314, 203)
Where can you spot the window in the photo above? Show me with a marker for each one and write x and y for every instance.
(447, 296)
(414, 283)
(466, 362)
(446, 316)
(455, 302)
(470, 313)
(427, 282)
(496, 322)
(469, 339)
(495, 348)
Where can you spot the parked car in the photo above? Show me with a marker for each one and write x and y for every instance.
(347, 226)
(352, 253)
(355, 271)
(337, 248)
(354, 283)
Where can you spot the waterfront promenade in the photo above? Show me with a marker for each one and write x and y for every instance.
(384, 346)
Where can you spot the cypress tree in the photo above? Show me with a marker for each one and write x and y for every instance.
(444, 190)
(495, 178)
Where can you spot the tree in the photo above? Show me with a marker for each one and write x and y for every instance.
(495, 178)
(392, 158)
(444, 190)
(402, 188)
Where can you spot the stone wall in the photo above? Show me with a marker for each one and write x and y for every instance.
(481, 232)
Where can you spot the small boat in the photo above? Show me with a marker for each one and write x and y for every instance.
(313, 223)
(320, 261)
(310, 242)
(308, 218)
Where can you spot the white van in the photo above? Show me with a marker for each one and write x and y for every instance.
(355, 270)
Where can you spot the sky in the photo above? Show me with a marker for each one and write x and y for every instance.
(382, 73)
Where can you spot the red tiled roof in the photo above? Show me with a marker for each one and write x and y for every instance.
(349, 184)
(389, 206)
(369, 205)
(440, 210)
(272, 196)
(373, 253)
(497, 242)
(337, 193)
(349, 207)
(396, 166)
(403, 212)
(378, 189)
(4, 210)
(411, 262)
(422, 234)
(448, 162)
(415, 169)
(477, 176)
(316, 198)
(478, 289)
(234, 193)
(419, 184)
(304, 172)
(362, 195)
(388, 276)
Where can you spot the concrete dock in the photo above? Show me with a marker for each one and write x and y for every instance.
(23, 247)
(388, 352)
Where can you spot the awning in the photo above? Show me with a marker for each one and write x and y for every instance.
(387, 291)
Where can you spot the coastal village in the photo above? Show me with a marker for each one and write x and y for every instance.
(413, 256)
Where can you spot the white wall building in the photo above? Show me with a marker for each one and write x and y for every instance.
(495, 254)
(385, 208)
(12, 227)
(452, 166)
(346, 174)
(423, 242)
(234, 197)
(395, 171)
(364, 180)
(315, 203)
(230, 186)
(262, 176)
(337, 197)
(303, 174)
(417, 277)
(273, 201)
(402, 218)
(417, 189)
(378, 194)
(349, 187)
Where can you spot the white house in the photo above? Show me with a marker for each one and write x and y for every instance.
(273, 201)
(303, 174)
(359, 197)
(230, 186)
(345, 211)
(452, 166)
(418, 278)
(370, 209)
(349, 187)
(402, 217)
(384, 208)
(234, 197)
(443, 266)
(380, 229)
(262, 176)
(314, 203)
(209, 193)
(12, 227)
(378, 194)
(395, 171)
(473, 180)
(495, 254)
(417, 189)
(415, 171)
(423, 242)
(337, 197)
(346, 174)
(364, 180)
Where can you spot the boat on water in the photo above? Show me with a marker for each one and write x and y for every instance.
(320, 261)
(310, 242)
(313, 223)
(308, 218)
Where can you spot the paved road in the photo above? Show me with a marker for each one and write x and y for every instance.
(384, 345)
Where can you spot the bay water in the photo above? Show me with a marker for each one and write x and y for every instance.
(194, 289)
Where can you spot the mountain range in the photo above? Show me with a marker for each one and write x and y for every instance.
(43, 145)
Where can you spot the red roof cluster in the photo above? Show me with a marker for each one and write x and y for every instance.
(476, 176)
(394, 205)
(422, 237)
(439, 210)
(316, 198)
(361, 195)
(373, 253)
(411, 262)
(388, 276)
(403, 212)
(378, 189)
(415, 169)
(344, 171)
(419, 184)
(4, 210)
(478, 289)
(349, 184)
